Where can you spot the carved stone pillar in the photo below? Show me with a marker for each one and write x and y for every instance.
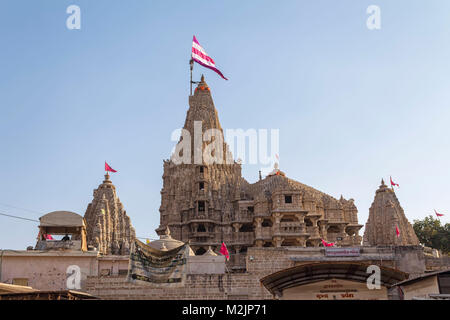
(258, 227)
(237, 226)
(301, 241)
(277, 241)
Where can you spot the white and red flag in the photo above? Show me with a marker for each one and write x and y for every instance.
(200, 56)
(393, 184)
(438, 214)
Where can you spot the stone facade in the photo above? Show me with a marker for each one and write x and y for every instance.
(207, 204)
(109, 228)
(385, 214)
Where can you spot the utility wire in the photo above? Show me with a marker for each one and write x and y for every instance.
(22, 218)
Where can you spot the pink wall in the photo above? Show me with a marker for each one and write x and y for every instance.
(46, 271)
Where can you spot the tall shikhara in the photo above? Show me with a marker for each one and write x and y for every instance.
(108, 226)
(386, 220)
(198, 199)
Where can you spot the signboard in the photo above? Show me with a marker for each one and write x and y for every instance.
(342, 252)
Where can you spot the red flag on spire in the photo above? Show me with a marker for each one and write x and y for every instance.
(393, 184)
(438, 214)
(397, 231)
(224, 251)
(108, 168)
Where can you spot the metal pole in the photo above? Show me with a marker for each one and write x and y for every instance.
(191, 63)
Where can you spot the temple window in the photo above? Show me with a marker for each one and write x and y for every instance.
(200, 251)
(287, 199)
(201, 206)
(201, 228)
(202, 169)
(246, 227)
(251, 209)
(201, 186)
(266, 223)
(288, 219)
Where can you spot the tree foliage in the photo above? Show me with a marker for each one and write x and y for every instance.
(432, 234)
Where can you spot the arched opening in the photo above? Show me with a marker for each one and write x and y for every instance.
(289, 243)
(201, 228)
(268, 244)
(246, 227)
(309, 243)
(243, 250)
(267, 223)
(288, 219)
(308, 222)
(200, 251)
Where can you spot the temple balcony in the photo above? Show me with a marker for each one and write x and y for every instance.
(238, 238)
(198, 235)
(264, 233)
(290, 229)
(243, 217)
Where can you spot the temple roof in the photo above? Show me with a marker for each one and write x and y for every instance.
(61, 218)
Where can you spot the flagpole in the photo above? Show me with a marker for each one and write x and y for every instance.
(191, 64)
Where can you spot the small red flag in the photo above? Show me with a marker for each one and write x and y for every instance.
(438, 214)
(48, 237)
(397, 231)
(326, 244)
(393, 184)
(108, 168)
(224, 251)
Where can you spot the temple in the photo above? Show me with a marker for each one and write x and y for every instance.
(386, 218)
(273, 229)
(109, 228)
(207, 204)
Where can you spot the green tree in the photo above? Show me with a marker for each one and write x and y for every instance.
(432, 234)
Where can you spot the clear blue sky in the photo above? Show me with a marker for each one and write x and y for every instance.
(352, 105)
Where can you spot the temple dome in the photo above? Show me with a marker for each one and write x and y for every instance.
(165, 242)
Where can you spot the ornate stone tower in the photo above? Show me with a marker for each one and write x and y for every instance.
(108, 226)
(198, 197)
(385, 215)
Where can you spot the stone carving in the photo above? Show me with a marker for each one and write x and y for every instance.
(385, 215)
(108, 226)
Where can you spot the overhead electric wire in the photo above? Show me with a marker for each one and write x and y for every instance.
(22, 218)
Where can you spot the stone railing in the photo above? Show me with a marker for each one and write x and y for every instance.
(243, 237)
(291, 228)
(58, 245)
(200, 234)
(243, 216)
(264, 233)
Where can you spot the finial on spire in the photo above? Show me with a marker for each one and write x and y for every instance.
(382, 182)
(167, 231)
(202, 79)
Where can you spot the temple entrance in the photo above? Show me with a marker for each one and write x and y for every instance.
(330, 281)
